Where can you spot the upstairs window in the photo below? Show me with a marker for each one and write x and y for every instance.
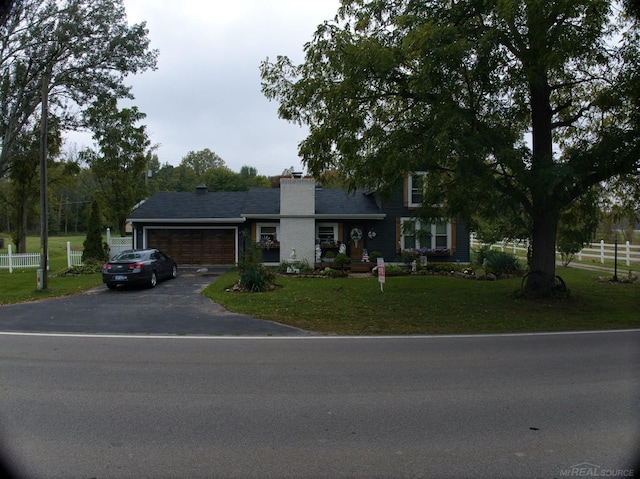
(415, 188)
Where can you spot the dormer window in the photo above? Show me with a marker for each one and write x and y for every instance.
(415, 188)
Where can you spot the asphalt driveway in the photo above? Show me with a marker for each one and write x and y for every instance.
(174, 307)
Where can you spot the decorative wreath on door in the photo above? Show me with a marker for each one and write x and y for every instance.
(356, 235)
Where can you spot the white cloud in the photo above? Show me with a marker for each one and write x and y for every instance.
(206, 90)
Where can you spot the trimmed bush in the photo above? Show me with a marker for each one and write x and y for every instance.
(374, 255)
(501, 263)
(341, 260)
(254, 277)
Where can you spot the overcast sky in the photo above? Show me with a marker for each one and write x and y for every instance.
(206, 90)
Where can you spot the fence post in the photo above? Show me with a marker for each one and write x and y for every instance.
(68, 254)
(628, 253)
(602, 251)
(10, 260)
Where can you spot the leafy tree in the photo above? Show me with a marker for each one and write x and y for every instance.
(65, 192)
(93, 246)
(224, 179)
(6, 6)
(331, 179)
(25, 179)
(515, 108)
(252, 179)
(578, 225)
(248, 172)
(202, 161)
(120, 165)
(82, 49)
(632, 8)
(161, 178)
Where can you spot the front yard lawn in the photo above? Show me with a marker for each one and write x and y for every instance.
(434, 305)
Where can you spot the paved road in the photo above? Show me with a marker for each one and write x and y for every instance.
(530, 406)
(172, 307)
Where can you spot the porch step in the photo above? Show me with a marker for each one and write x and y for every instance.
(361, 267)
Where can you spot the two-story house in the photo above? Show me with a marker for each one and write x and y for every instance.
(299, 218)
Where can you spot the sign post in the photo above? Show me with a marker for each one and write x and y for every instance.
(381, 276)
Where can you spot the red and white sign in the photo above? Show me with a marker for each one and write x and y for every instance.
(381, 271)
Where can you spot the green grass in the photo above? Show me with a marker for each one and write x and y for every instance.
(21, 285)
(435, 305)
(409, 304)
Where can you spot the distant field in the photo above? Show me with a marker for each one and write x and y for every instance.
(21, 285)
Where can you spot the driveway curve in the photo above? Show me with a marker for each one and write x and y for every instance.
(173, 307)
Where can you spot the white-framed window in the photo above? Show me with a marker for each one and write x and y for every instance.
(415, 188)
(327, 233)
(435, 237)
(267, 234)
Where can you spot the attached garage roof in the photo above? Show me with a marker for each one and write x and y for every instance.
(186, 206)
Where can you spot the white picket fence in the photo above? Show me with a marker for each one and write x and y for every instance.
(74, 258)
(603, 252)
(12, 260)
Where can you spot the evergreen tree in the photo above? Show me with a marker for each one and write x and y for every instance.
(93, 247)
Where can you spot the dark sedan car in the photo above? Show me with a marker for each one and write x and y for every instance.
(145, 266)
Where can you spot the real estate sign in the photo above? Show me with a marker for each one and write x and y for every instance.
(381, 276)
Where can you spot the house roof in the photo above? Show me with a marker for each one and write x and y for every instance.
(338, 203)
(236, 206)
(187, 206)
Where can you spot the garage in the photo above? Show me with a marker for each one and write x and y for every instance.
(195, 246)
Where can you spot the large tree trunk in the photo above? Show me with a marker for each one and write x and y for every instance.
(544, 210)
(542, 265)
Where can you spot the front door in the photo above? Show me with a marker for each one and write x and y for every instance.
(356, 242)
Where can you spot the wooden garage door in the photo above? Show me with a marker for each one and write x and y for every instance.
(197, 246)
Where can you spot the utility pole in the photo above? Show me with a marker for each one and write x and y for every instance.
(44, 219)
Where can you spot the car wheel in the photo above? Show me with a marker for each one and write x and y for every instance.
(153, 280)
(174, 272)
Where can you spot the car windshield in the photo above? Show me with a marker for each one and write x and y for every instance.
(128, 255)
